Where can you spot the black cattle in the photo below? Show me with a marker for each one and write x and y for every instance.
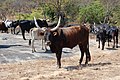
(101, 36)
(105, 33)
(58, 38)
(26, 25)
(13, 25)
(113, 34)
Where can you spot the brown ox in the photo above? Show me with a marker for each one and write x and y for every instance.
(58, 38)
(3, 27)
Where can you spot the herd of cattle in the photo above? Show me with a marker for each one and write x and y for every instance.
(105, 32)
(57, 37)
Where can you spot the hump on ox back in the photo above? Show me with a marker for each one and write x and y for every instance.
(58, 38)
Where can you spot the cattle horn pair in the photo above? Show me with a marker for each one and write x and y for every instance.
(55, 28)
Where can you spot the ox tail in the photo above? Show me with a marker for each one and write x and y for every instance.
(29, 42)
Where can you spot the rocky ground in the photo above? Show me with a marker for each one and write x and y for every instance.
(17, 62)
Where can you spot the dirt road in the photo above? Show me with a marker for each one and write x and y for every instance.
(18, 63)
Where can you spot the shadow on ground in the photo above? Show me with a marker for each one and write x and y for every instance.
(70, 68)
(8, 46)
(111, 48)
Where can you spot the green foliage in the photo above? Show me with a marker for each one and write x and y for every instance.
(49, 11)
(92, 13)
(116, 15)
(71, 10)
(35, 13)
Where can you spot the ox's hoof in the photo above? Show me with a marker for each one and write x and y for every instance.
(98, 46)
(80, 67)
(33, 51)
(24, 38)
(113, 46)
(42, 48)
(58, 67)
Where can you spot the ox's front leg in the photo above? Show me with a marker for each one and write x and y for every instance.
(33, 48)
(13, 30)
(98, 42)
(58, 55)
(42, 44)
(23, 34)
(108, 39)
(103, 44)
(117, 41)
(82, 54)
(113, 41)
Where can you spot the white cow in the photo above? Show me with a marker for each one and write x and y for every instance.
(37, 34)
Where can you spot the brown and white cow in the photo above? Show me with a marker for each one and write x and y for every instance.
(58, 38)
(37, 34)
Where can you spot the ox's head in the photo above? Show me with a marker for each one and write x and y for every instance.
(14, 24)
(51, 35)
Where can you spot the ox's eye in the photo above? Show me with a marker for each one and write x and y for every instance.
(54, 33)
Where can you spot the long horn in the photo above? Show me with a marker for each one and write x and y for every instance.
(6, 22)
(36, 23)
(55, 28)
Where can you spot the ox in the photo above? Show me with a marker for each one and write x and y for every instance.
(101, 35)
(112, 33)
(3, 27)
(36, 34)
(26, 25)
(13, 25)
(58, 38)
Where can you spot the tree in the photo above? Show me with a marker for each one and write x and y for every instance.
(110, 6)
(71, 9)
(116, 15)
(93, 12)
